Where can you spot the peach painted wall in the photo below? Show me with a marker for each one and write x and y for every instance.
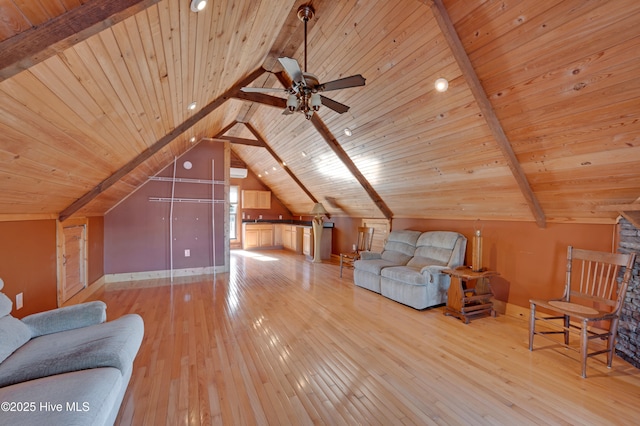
(28, 264)
(28, 261)
(345, 234)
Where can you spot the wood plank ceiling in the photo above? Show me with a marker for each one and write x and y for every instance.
(540, 122)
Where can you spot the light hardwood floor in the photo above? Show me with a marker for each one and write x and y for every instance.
(282, 341)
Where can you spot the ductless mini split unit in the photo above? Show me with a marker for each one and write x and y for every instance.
(238, 173)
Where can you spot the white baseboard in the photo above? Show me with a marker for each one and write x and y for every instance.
(154, 275)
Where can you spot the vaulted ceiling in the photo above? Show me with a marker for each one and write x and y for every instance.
(541, 121)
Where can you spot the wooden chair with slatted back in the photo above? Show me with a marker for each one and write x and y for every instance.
(365, 240)
(591, 305)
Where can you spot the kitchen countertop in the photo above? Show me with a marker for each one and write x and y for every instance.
(286, 222)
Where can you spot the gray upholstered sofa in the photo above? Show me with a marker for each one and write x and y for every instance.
(65, 366)
(409, 269)
(398, 250)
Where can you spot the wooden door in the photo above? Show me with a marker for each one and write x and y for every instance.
(73, 261)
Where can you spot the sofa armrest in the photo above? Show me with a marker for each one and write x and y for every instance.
(67, 318)
(368, 255)
(433, 271)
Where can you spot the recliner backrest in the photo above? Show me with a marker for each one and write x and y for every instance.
(441, 248)
(400, 246)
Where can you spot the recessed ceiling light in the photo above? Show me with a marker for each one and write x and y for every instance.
(442, 84)
(274, 168)
(187, 165)
(193, 139)
(192, 106)
(198, 5)
(347, 131)
(304, 154)
(284, 164)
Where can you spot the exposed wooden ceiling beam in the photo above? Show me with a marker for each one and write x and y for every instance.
(346, 160)
(161, 143)
(279, 160)
(262, 98)
(244, 141)
(333, 143)
(446, 26)
(30, 47)
(225, 129)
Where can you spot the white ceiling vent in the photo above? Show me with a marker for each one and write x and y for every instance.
(238, 173)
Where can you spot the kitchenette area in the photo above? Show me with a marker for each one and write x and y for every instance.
(294, 235)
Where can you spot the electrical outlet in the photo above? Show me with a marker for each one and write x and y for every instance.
(187, 252)
(18, 301)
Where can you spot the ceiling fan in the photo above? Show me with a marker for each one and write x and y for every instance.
(304, 93)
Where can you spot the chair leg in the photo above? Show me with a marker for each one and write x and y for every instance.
(532, 325)
(611, 342)
(566, 329)
(341, 260)
(584, 345)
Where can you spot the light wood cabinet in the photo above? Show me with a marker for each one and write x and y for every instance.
(286, 237)
(257, 235)
(296, 238)
(252, 199)
(278, 231)
(292, 238)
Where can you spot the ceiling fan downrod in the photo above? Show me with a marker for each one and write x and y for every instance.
(305, 13)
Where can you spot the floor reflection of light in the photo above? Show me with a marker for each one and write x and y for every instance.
(254, 255)
(232, 288)
(232, 296)
(272, 339)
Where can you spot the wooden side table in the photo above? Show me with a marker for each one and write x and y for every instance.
(464, 299)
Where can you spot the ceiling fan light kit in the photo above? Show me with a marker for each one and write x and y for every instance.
(304, 93)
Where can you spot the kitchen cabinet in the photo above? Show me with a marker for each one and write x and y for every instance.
(252, 199)
(292, 238)
(257, 235)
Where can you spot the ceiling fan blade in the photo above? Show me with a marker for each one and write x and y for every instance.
(261, 90)
(342, 83)
(292, 68)
(334, 105)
